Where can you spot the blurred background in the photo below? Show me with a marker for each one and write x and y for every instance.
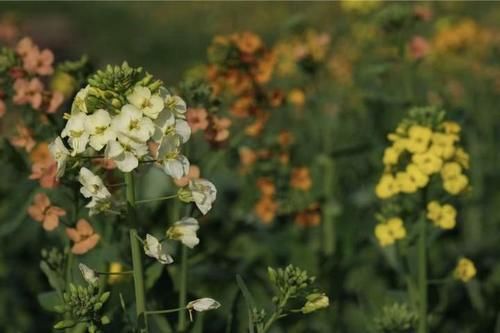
(371, 62)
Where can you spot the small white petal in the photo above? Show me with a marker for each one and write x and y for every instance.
(88, 274)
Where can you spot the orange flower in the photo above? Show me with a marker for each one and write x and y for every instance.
(83, 236)
(285, 138)
(297, 97)
(266, 187)
(301, 179)
(197, 119)
(42, 211)
(257, 126)
(248, 42)
(310, 217)
(264, 69)
(247, 157)
(193, 173)
(266, 209)
(47, 174)
(28, 92)
(220, 128)
(242, 107)
(24, 138)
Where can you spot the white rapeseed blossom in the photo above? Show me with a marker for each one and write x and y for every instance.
(203, 304)
(131, 123)
(76, 131)
(174, 164)
(88, 274)
(79, 104)
(185, 232)
(99, 127)
(60, 153)
(92, 185)
(125, 153)
(203, 194)
(150, 105)
(154, 249)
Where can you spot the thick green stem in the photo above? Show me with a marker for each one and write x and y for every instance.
(183, 289)
(135, 246)
(422, 275)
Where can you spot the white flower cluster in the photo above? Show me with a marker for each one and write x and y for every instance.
(124, 135)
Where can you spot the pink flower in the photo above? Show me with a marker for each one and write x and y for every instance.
(28, 92)
(419, 47)
(47, 174)
(55, 101)
(220, 126)
(42, 211)
(24, 138)
(25, 46)
(197, 119)
(34, 60)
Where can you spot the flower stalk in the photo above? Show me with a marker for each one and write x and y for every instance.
(183, 288)
(422, 275)
(135, 247)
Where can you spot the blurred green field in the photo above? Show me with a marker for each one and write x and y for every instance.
(354, 95)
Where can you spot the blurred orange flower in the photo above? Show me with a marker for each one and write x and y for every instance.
(248, 42)
(28, 92)
(219, 129)
(42, 211)
(297, 97)
(193, 173)
(310, 217)
(24, 138)
(301, 179)
(83, 236)
(419, 47)
(266, 186)
(197, 119)
(265, 209)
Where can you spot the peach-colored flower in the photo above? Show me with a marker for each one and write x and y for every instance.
(3, 108)
(310, 217)
(25, 46)
(257, 126)
(24, 138)
(193, 173)
(39, 62)
(55, 101)
(42, 211)
(28, 92)
(197, 119)
(242, 107)
(266, 187)
(47, 174)
(247, 157)
(301, 179)
(83, 236)
(220, 128)
(248, 42)
(266, 209)
(419, 47)
(8, 31)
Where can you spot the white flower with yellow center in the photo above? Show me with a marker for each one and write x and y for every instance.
(92, 185)
(60, 153)
(131, 123)
(167, 125)
(99, 127)
(154, 249)
(185, 232)
(76, 131)
(174, 103)
(174, 163)
(125, 153)
(150, 105)
(79, 104)
(203, 194)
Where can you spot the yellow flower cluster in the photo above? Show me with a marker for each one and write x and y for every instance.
(389, 231)
(465, 270)
(429, 152)
(443, 216)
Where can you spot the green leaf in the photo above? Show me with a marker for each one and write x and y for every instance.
(55, 280)
(153, 273)
(49, 300)
(248, 300)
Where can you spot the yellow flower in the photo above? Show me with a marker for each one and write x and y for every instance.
(451, 127)
(462, 158)
(405, 183)
(115, 267)
(443, 145)
(390, 231)
(427, 162)
(465, 270)
(454, 181)
(418, 138)
(386, 187)
(297, 97)
(416, 175)
(391, 155)
(443, 216)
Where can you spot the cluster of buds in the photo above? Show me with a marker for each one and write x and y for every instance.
(83, 305)
(289, 281)
(395, 318)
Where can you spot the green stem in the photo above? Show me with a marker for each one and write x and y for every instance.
(422, 275)
(277, 314)
(183, 288)
(135, 246)
(115, 273)
(166, 311)
(156, 199)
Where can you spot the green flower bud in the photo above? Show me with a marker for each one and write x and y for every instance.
(184, 194)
